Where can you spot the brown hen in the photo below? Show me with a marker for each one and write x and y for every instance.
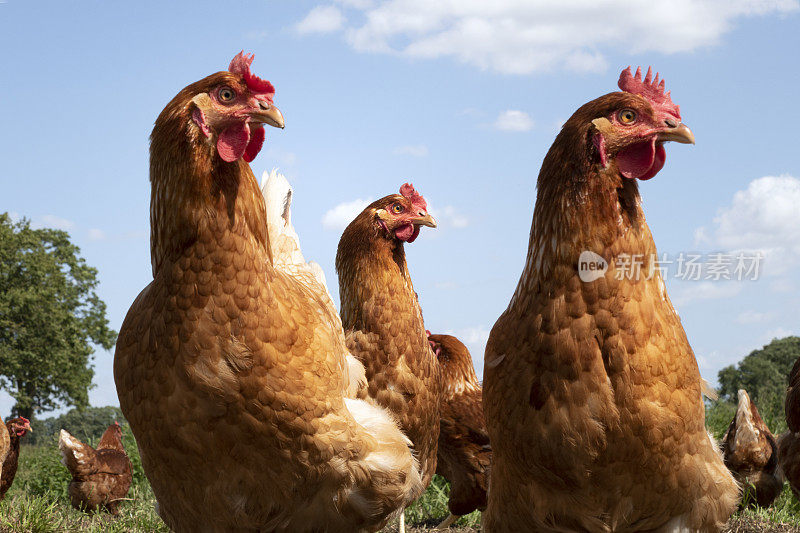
(230, 366)
(15, 428)
(592, 394)
(5, 448)
(382, 318)
(789, 442)
(751, 453)
(101, 476)
(464, 452)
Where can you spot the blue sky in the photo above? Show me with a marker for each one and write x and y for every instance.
(461, 98)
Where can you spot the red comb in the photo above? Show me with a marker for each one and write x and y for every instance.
(25, 420)
(241, 65)
(648, 88)
(416, 198)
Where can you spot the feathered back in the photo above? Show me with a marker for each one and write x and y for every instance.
(284, 249)
(5, 444)
(748, 442)
(792, 405)
(284, 243)
(75, 455)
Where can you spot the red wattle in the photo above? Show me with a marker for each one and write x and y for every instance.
(406, 232)
(257, 136)
(232, 142)
(658, 164)
(641, 160)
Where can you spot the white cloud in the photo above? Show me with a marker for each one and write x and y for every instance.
(340, 216)
(761, 219)
(360, 4)
(777, 333)
(521, 37)
(321, 19)
(692, 291)
(97, 234)
(416, 150)
(53, 221)
(280, 157)
(513, 120)
(753, 317)
(474, 335)
(448, 216)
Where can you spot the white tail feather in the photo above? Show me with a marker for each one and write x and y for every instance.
(70, 446)
(284, 245)
(283, 240)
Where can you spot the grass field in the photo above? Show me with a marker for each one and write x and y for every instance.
(37, 502)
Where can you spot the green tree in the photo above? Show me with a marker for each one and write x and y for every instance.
(764, 374)
(50, 318)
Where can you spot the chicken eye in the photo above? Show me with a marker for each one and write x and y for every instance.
(627, 116)
(397, 208)
(226, 94)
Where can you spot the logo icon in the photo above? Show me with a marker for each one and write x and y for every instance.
(591, 266)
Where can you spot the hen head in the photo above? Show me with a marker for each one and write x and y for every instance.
(230, 108)
(632, 126)
(400, 216)
(454, 359)
(19, 426)
(112, 438)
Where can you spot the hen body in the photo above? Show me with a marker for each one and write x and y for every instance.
(464, 453)
(101, 476)
(233, 372)
(592, 394)
(789, 442)
(10, 434)
(383, 323)
(5, 448)
(751, 453)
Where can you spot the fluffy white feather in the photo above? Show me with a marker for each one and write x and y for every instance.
(284, 245)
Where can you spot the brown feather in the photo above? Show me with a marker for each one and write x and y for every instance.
(592, 394)
(464, 453)
(383, 323)
(101, 477)
(792, 402)
(789, 442)
(751, 453)
(11, 461)
(230, 371)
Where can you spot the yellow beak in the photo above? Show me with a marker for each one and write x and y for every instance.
(680, 133)
(424, 220)
(268, 114)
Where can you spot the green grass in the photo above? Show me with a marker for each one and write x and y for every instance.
(38, 501)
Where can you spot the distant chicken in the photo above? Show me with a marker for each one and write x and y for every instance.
(101, 476)
(464, 452)
(16, 428)
(5, 446)
(591, 391)
(382, 318)
(231, 365)
(789, 442)
(751, 453)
